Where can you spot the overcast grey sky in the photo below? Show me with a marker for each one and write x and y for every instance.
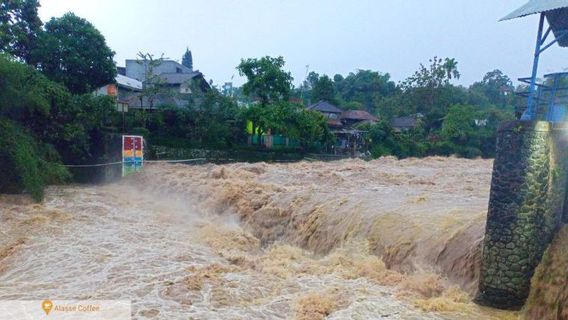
(331, 36)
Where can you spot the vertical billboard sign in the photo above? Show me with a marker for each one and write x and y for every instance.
(132, 154)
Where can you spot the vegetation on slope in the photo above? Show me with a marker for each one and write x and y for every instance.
(548, 297)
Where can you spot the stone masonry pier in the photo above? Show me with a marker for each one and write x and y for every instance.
(526, 208)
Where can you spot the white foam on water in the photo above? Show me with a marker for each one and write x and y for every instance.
(254, 241)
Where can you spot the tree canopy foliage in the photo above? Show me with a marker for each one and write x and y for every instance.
(73, 52)
(20, 26)
(48, 115)
(42, 120)
(265, 79)
(365, 87)
(323, 89)
(69, 49)
(274, 113)
(449, 119)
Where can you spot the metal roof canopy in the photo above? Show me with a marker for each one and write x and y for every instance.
(536, 6)
(556, 13)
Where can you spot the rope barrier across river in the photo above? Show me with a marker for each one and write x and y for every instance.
(121, 162)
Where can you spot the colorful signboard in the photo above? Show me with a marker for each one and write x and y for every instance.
(132, 154)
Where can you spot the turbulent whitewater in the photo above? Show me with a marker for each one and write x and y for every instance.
(309, 240)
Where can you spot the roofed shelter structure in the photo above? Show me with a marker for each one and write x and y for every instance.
(555, 12)
(402, 124)
(528, 196)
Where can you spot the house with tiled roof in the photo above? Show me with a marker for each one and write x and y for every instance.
(353, 117)
(343, 124)
(403, 124)
(330, 111)
(339, 118)
(179, 79)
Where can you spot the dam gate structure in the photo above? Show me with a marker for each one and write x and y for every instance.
(527, 202)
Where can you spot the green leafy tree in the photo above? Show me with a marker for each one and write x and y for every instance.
(215, 122)
(366, 87)
(438, 74)
(450, 65)
(496, 88)
(460, 133)
(266, 80)
(27, 161)
(323, 89)
(80, 125)
(154, 86)
(459, 123)
(396, 105)
(25, 164)
(429, 91)
(312, 78)
(24, 92)
(51, 114)
(311, 128)
(487, 134)
(20, 26)
(380, 138)
(383, 141)
(73, 52)
(296, 122)
(304, 91)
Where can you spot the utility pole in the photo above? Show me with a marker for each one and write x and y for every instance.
(305, 81)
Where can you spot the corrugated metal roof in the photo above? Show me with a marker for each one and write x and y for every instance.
(536, 6)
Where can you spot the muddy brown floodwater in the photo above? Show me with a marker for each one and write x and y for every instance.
(384, 239)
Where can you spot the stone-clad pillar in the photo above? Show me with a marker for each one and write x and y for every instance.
(525, 209)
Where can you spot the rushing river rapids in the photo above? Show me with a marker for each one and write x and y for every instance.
(349, 239)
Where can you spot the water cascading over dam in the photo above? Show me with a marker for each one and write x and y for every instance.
(308, 240)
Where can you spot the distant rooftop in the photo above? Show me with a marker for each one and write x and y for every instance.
(404, 122)
(178, 78)
(358, 115)
(324, 106)
(164, 62)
